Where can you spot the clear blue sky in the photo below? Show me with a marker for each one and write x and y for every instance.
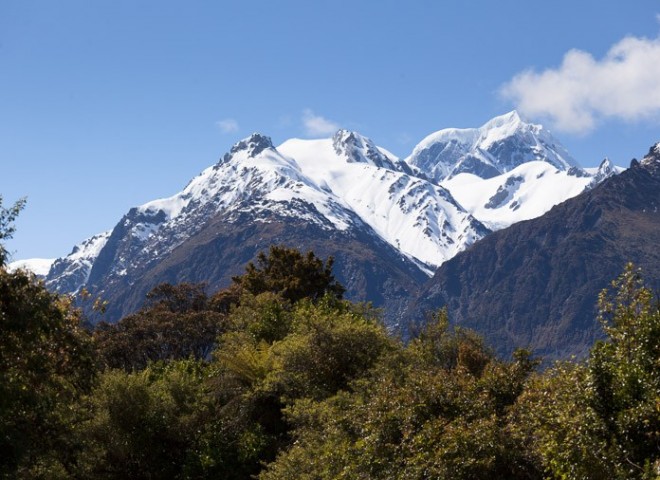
(105, 105)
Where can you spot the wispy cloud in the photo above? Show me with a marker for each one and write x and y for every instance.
(404, 138)
(624, 84)
(228, 125)
(316, 125)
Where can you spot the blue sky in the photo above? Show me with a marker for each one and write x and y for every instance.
(105, 105)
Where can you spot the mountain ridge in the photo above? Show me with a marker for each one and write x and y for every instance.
(536, 283)
(345, 186)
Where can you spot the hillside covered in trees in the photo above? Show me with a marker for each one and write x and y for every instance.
(278, 377)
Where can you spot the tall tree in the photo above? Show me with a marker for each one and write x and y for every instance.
(601, 419)
(177, 323)
(46, 363)
(625, 372)
(291, 274)
(7, 228)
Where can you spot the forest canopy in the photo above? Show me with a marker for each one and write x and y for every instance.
(279, 377)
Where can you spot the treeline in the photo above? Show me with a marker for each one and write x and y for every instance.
(278, 377)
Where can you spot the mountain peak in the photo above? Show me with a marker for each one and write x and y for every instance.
(254, 145)
(512, 119)
(498, 146)
(357, 148)
(346, 142)
(605, 170)
(606, 166)
(652, 159)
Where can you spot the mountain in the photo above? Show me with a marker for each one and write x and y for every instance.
(420, 219)
(525, 192)
(497, 147)
(342, 196)
(69, 274)
(535, 284)
(388, 222)
(38, 266)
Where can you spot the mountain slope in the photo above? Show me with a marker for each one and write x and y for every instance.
(420, 219)
(339, 191)
(369, 268)
(69, 274)
(535, 284)
(39, 266)
(526, 192)
(497, 147)
(259, 189)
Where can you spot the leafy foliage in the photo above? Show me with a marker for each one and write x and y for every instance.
(277, 377)
(289, 273)
(177, 324)
(46, 364)
(601, 420)
(144, 424)
(625, 375)
(425, 411)
(7, 228)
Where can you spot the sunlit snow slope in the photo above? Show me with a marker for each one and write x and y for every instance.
(497, 147)
(455, 187)
(420, 219)
(38, 266)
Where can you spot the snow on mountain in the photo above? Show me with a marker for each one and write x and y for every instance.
(528, 191)
(252, 178)
(418, 218)
(497, 147)
(342, 183)
(339, 183)
(493, 176)
(356, 148)
(38, 266)
(69, 274)
(652, 159)
(605, 170)
(252, 173)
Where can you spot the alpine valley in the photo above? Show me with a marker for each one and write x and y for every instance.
(390, 223)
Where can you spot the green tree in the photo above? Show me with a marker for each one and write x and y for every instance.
(602, 419)
(181, 298)
(46, 364)
(275, 355)
(7, 228)
(625, 372)
(428, 410)
(176, 324)
(145, 425)
(557, 428)
(289, 273)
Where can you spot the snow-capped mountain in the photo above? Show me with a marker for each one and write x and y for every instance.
(69, 274)
(38, 266)
(339, 183)
(497, 147)
(536, 284)
(418, 218)
(525, 192)
(392, 221)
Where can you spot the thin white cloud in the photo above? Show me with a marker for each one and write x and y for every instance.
(318, 126)
(228, 125)
(624, 84)
(404, 138)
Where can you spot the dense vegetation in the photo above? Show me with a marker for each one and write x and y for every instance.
(277, 377)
